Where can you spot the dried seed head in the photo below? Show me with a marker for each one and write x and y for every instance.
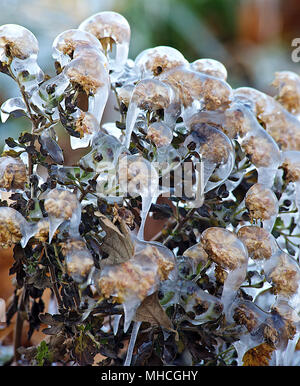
(260, 243)
(125, 93)
(213, 144)
(11, 224)
(190, 86)
(260, 149)
(88, 73)
(18, 42)
(287, 84)
(210, 67)
(151, 94)
(160, 134)
(284, 273)
(224, 248)
(12, 173)
(86, 124)
(155, 61)
(108, 27)
(261, 202)
(291, 165)
(61, 204)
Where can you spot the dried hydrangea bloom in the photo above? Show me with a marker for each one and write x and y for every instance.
(191, 86)
(110, 28)
(284, 274)
(78, 259)
(287, 84)
(13, 228)
(160, 134)
(67, 42)
(13, 173)
(210, 67)
(224, 248)
(278, 122)
(156, 60)
(148, 95)
(261, 202)
(17, 42)
(62, 205)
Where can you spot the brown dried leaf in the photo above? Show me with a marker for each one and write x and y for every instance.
(258, 356)
(117, 242)
(152, 312)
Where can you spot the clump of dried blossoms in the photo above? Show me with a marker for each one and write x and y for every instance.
(217, 281)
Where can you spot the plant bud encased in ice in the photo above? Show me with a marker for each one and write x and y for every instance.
(13, 173)
(261, 202)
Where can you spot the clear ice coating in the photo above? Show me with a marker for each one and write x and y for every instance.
(197, 91)
(14, 107)
(230, 254)
(283, 126)
(78, 259)
(110, 28)
(86, 125)
(129, 283)
(133, 336)
(18, 50)
(210, 67)
(89, 74)
(138, 177)
(216, 151)
(62, 205)
(14, 228)
(50, 145)
(287, 84)
(149, 95)
(74, 42)
(262, 205)
(153, 61)
(160, 134)
(13, 174)
(291, 166)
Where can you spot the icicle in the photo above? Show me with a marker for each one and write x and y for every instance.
(116, 323)
(134, 334)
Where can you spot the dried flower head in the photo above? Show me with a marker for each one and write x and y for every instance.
(13, 173)
(245, 315)
(285, 275)
(260, 243)
(224, 248)
(291, 165)
(86, 124)
(260, 149)
(61, 203)
(261, 202)
(88, 73)
(287, 84)
(210, 67)
(160, 134)
(155, 61)
(18, 42)
(125, 93)
(213, 144)
(108, 27)
(11, 224)
(190, 86)
(151, 94)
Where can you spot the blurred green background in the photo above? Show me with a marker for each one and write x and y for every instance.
(251, 37)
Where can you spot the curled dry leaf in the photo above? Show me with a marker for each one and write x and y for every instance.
(117, 242)
(151, 311)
